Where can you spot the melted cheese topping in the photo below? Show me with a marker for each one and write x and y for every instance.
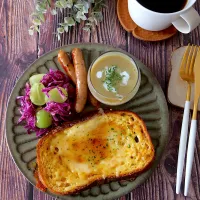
(98, 148)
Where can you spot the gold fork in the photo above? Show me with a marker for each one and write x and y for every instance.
(186, 73)
(193, 127)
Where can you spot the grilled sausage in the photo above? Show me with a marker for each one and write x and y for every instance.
(81, 77)
(93, 100)
(66, 64)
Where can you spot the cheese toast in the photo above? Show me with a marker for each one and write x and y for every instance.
(103, 147)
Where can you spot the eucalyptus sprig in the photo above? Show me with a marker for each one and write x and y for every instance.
(89, 11)
(96, 15)
(38, 16)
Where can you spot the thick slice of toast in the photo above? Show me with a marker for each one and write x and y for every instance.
(102, 147)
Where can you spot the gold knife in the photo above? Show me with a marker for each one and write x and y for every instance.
(193, 127)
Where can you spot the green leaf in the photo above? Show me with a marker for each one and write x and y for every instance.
(49, 3)
(37, 28)
(78, 6)
(69, 3)
(34, 14)
(60, 30)
(80, 15)
(77, 19)
(62, 24)
(53, 11)
(86, 6)
(37, 22)
(83, 6)
(69, 21)
(58, 4)
(41, 17)
(41, 7)
(63, 3)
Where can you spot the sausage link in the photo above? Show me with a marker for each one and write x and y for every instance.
(81, 77)
(93, 100)
(66, 64)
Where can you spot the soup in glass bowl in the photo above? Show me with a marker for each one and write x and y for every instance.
(113, 78)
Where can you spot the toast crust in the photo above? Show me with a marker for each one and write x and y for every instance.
(100, 180)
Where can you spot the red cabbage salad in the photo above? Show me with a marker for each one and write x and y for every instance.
(48, 101)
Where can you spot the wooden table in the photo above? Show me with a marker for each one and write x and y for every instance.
(18, 50)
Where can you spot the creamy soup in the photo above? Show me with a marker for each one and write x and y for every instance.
(113, 75)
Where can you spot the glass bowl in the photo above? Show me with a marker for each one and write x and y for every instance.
(116, 100)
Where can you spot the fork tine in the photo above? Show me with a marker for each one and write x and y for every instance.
(184, 59)
(189, 60)
(194, 53)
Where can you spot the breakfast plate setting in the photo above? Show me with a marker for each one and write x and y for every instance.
(90, 120)
(149, 103)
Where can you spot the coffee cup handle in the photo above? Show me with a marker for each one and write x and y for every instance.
(187, 21)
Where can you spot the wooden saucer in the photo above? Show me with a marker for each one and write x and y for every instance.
(138, 32)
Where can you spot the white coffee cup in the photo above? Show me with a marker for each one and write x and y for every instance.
(184, 20)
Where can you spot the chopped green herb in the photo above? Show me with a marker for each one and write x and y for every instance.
(129, 146)
(112, 78)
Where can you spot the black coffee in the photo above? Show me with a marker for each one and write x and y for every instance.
(163, 6)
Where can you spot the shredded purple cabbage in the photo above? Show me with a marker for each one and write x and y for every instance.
(54, 78)
(59, 111)
(27, 109)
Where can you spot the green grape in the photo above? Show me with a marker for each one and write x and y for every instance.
(55, 96)
(36, 95)
(43, 119)
(36, 78)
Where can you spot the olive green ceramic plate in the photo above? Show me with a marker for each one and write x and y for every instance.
(149, 103)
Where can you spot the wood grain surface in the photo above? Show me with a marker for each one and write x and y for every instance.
(18, 50)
